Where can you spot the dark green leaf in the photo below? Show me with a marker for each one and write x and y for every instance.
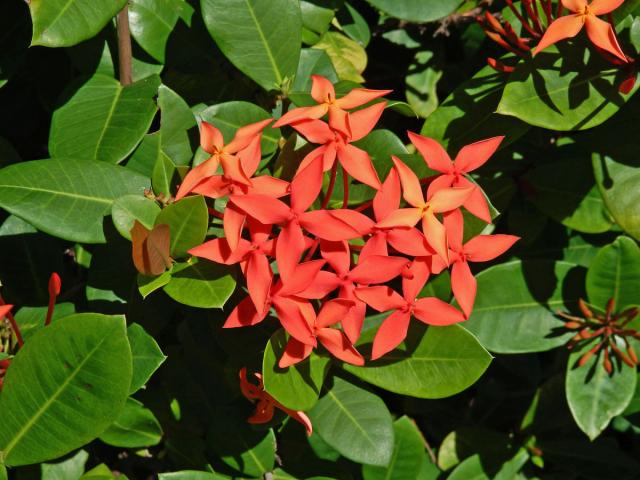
(62, 23)
(516, 304)
(201, 284)
(354, 422)
(103, 120)
(615, 274)
(136, 427)
(416, 11)
(66, 198)
(296, 387)
(260, 37)
(146, 354)
(88, 363)
(129, 208)
(443, 362)
(69, 469)
(188, 220)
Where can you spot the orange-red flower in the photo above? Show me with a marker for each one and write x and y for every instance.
(266, 404)
(585, 14)
(429, 310)
(324, 94)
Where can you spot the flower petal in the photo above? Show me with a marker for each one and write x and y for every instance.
(322, 90)
(358, 165)
(245, 135)
(324, 283)
(267, 210)
(448, 199)
(259, 278)
(483, 248)
(436, 235)
(293, 321)
(334, 224)
(377, 269)
(360, 96)
(561, 28)
(213, 187)
(390, 334)
(601, 7)
(315, 131)
(233, 223)
(476, 154)
(294, 352)
(376, 245)
(434, 311)
(206, 169)
(433, 153)
(250, 157)
(464, 286)
(387, 199)
(574, 5)
(244, 315)
(362, 121)
(403, 217)
(289, 247)
(416, 278)
(233, 169)
(454, 224)
(603, 36)
(337, 255)
(270, 186)
(339, 120)
(300, 114)
(306, 186)
(211, 138)
(339, 346)
(410, 241)
(380, 298)
(302, 277)
(411, 188)
(333, 312)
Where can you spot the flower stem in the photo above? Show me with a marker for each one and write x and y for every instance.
(332, 184)
(345, 189)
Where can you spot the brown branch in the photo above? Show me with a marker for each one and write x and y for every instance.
(124, 46)
(456, 19)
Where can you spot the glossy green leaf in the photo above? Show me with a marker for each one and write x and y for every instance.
(561, 91)
(146, 354)
(316, 18)
(521, 318)
(354, 25)
(176, 118)
(354, 422)
(296, 387)
(470, 469)
(440, 363)
(312, 62)
(31, 319)
(416, 11)
(69, 469)
(468, 113)
(135, 427)
(230, 116)
(148, 285)
(62, 23)
(191, 475)
(260, 37)
(421, 82)
(103, 120)
(66, 198)
(615, 273)
(349, 57)
(594, 396)
(566, 191)
(151, 23)
(88, 363)
(201, 284)
(188, 220)
(408, 454)
(129, 208)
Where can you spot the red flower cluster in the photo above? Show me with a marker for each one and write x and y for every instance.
(333, 263)
(543, 25)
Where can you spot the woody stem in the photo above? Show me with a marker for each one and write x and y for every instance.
(332, 184)
(124, 47)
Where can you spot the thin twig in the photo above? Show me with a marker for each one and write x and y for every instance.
(124, 46)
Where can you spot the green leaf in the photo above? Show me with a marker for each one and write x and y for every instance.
(146, 355)
(441, 363)
(312, 62)
(470, 469)
(66, 198)
(349, 58)
(191, 475)
(354, 25)
(230, 116)
(188, 220)
(421, 82)
(566, 191)
(260, 37)
(521, 318)
(136, 427)
(103, 120)
(408, 454)
(69, 469)
(562, 92)
(62, 23)
(296, 387)
(148, 285)
(129, 208)
(354, 422)
(152, 21)
(176, 118)
(416, 11)
(594, 396)
(468, 113)
(88, 363)
(31, 319)
(316, 18)
(201, 284)
(615, 273)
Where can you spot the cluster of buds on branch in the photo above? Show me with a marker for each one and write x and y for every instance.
(334, 263)
(608, 330)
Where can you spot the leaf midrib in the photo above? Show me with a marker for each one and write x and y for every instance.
(41, 411)
(267, 49)
(351, 417)
(105, 200)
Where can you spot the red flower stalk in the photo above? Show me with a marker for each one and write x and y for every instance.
(429, 310)
(334, 340)
(324, 94)
(266, 404)
(55, 284)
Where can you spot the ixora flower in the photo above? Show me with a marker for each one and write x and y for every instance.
(585, 14)
(266, 404)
